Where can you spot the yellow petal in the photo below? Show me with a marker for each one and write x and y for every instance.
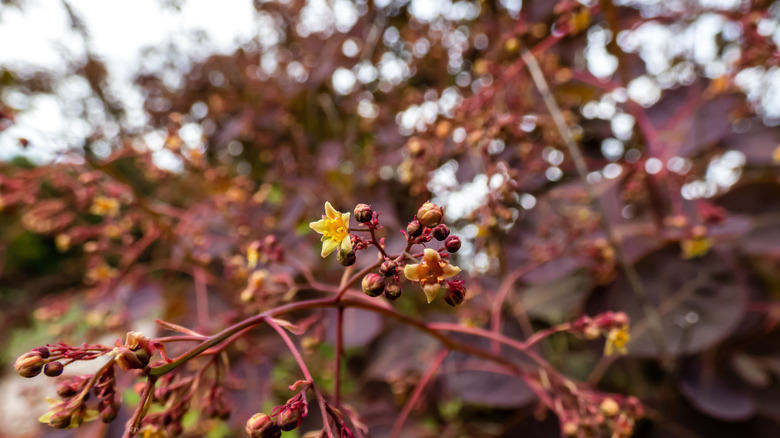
(411, 272)
(328, 246)
(320, 226)
(431, 257)
(346, 243)
(431, 290)
(449, 271)
(345, 218)
(330, 211)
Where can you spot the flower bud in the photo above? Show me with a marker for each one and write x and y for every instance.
(393, 291)
(430, 214)
(440, 232)
(455, 295)
(570, 428)
(363, 213)
(591, 332)
(620, 319)
(60, 420)
(53, 369)
(42, 351)
(127, 359)
(289, 419)
(373, 285)
(29, 364)
(452, 243)
(609, 407)
(67, 389)
(388, 268)
(109, 412)
(346, 257)
(262, 426)
(414, 229)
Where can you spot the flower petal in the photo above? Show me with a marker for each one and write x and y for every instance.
(412, 272)
(320, 226)
(431, 257)
(431, 290)
(328, 246)
(449, 271)
(346, 243)
(330, 211)
(345, 218)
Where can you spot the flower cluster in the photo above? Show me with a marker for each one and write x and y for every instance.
(613, 325)
(285, 418)
(433, 271)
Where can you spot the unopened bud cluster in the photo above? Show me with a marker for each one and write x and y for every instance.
(285, 418)
(432, 272)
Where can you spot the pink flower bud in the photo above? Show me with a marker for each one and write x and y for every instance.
(373, 285)
(363, 213)
(29, 364)
(262, 426)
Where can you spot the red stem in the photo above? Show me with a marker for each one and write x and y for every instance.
(339, 351)
(306, 374)
(418, 390)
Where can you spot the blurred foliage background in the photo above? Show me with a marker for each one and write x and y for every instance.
(145, 146)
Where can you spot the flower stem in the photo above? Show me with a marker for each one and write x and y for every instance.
(426, 377)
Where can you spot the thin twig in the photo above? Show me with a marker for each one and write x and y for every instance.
(306, 374)
(635, 283)
(339, 352)
(418, 390)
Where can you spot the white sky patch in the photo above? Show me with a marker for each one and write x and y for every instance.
(119, 32)
(458, 200)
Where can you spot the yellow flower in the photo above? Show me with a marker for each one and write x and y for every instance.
(152, 431)
(101, 272)
(103, 206)
(698, 246)
(431, 272)
(617, 338)
(334, 227)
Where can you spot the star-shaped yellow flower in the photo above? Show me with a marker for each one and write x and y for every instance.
(334, 227)
(431, 272)
(617, 338)
(103, 206)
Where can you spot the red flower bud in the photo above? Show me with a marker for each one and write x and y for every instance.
(42, 351)
(53, 369)
(67, 389)
(452, 243)
(440, 232)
